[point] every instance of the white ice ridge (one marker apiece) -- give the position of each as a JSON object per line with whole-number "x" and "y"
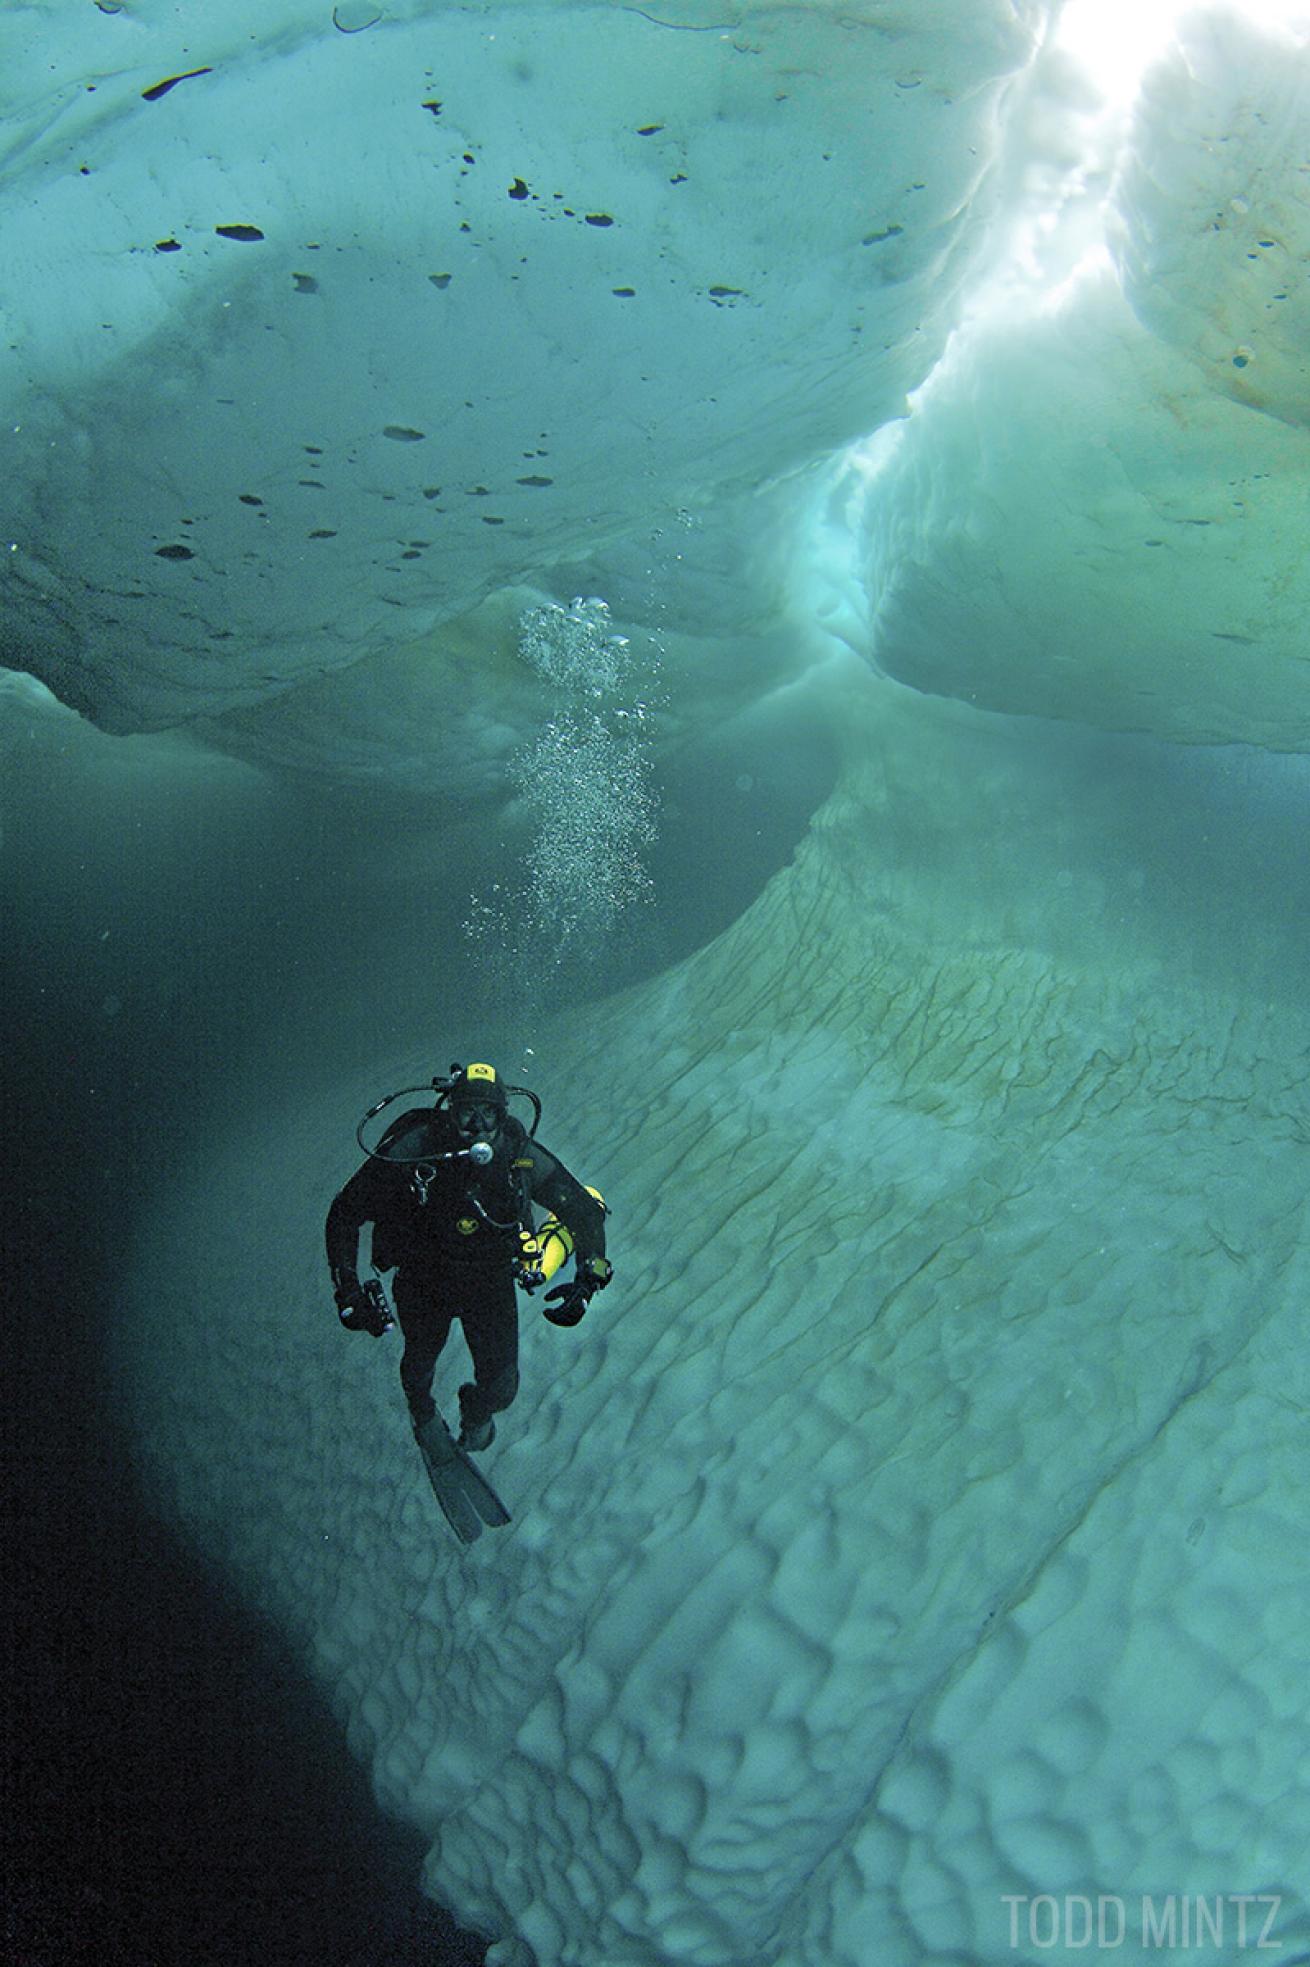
{"x": 915, "y": 1523}
{"x": 1096, "y": 509}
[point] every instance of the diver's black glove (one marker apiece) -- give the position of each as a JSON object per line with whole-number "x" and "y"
{"x": 363, "y": 1308}
{"x": 566, "y": 1304}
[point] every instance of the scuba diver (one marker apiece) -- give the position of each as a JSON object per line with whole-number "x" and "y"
{"x": 449, "y": 1190}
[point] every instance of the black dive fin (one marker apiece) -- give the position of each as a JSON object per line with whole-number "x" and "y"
{"x": 466, "y": 1498}
{"x": 483, "y": 1497}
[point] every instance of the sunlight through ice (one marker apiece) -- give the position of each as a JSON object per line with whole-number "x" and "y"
{"x": 1116, "y": 40}
{"x": 1054, "y": 239}
{"x": 1059, "y": 236}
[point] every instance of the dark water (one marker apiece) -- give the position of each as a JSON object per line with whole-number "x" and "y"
{"x": 182, "y": 938}
{"x": 175, "y": 1790}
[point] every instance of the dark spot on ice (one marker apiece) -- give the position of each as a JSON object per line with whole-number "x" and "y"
{"x": 477, "y": 492}
{"x": 175, "y": 553}
{"x": 167, "y": 246}
{"x": 162, "y": 88}
{"x": 314, "y": 450}
{"x": 238, "y": 232}
{"x": 411, "y": 555}
{"x": 518, "y": 189}
{"x": 354, "y": 21}
{"x": 876, "y": 238}
{"x": 536, "y": 480}
{"x": 434, "y": 107}
{"x": 322, "y": 533}
{"x": 400, "y": 433}
{"x": 440, "y": 279}
{"x": 625, "y": 293}
{"x": 1239, "y": 362}
{"x": 314, "y": 484}
{"x": 305, "y": 283}
{"x": 649, "y": 129}
{"x": 599, "y": 218}
{"x": 487, "y": 520}
{"x": 248, "y": 498}
{"x": 681, "y": 178}
{"x": 432, "y": 491}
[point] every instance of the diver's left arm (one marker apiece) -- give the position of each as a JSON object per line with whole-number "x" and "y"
{"x": 583, "y": 1215}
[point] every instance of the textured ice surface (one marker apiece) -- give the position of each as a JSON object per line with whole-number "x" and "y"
{"x": 1214, "y": 210}
{"x": 522, "y": 279}
{"x": 1097, "y": 510}
{"x": 1075, "y": 525}
{"x": 914, "y": 1526}
{"x": 914, "y": 1521}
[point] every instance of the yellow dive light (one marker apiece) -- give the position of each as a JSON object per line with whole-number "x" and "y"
{"x": 543, "y": 1251}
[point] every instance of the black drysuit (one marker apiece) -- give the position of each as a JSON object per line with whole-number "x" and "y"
{"x": 450, "y": 1231}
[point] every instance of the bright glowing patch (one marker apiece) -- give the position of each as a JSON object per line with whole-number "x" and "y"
{"x": 1116, "y": 40}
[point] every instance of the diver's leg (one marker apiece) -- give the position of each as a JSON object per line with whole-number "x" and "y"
{"x": 491, "y": 1328}
{"x": 426, "y": 1326}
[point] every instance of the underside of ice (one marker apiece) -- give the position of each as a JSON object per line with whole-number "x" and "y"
{"x": 400, "y": 397}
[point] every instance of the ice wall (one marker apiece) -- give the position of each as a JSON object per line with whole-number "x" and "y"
{"x": 369, "y": 316}
{"x": 1213, "y": 210}
{"x": 1097, "y": 509}
{"x": 902, "y": 1530}
{"x": 949, "y": 1386}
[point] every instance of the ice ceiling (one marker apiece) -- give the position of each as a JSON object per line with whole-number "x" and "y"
{"x": 858, "y": 1530}
{"x": 324, "y": 332}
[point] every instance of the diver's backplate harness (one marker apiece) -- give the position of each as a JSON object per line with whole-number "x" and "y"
{"x": 423, "y": 1167}
{"x": 481, "y": 1154}
{"x": 540, "y": 1252}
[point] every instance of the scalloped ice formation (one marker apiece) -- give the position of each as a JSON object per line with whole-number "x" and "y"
{"x": 369, "y": 321}
{"x": 906, "y": 1542}
{"x": 905, "y": 1554}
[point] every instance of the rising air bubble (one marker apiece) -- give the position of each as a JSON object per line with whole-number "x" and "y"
{"x": 587, "y": 777}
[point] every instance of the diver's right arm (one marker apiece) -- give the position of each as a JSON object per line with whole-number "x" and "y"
{"x": 356, "y": 1204}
